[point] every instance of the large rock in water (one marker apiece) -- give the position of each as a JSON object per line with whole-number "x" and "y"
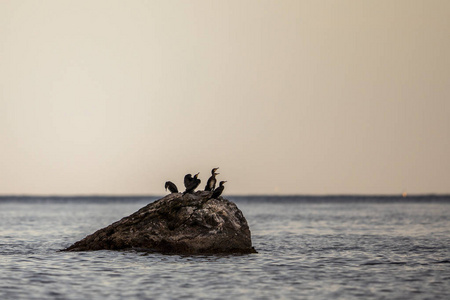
{"x": 177, "y": 223}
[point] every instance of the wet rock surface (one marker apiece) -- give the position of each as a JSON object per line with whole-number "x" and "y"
{"x": 179, "y": 224}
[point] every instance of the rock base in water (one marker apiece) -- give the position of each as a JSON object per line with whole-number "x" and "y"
{"x": 179, "y": 224}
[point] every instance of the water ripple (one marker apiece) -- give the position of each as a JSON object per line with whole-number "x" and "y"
{"x": 306, "y": 250}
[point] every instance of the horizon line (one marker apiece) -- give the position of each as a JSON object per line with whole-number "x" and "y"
{"x": 230, "y": 195}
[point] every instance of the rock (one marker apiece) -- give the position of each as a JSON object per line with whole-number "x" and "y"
{"x": 179, "y": 224}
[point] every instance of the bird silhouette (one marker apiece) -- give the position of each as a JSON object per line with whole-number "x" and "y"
{"x": 191, "y": 183}
{"x": 217, "y": 192}
{"x": 171, "y": 186}
{"x": 211, "y": 184}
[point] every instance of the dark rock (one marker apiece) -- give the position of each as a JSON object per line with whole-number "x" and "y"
{"x": 177, "y": 223}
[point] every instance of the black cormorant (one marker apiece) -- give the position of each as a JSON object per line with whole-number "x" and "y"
{"x": 187, "y": 180}
{"x": 211, "y": 184}
{"x": 191, "y": 184}
{"x": 217, "y": 192}
{"x": 171, "y": 186}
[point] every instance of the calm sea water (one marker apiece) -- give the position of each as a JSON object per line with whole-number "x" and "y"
{"x": 309, "y": 248}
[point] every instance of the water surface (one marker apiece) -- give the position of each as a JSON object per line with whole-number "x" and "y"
{"x": 309, "y": 248}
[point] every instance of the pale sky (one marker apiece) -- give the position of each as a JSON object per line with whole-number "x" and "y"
{"x": 286, "y": 97}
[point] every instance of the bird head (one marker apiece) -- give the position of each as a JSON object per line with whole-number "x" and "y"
{"x": 213, "y": 171}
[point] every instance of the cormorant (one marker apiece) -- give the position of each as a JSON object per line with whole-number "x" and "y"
{"x": 171, "y": 186}
{"x": 211, "y": 184}
{"x": 217, "y": 192}
{"x": 191, "y": 183}
{"x": 187, "y": 180}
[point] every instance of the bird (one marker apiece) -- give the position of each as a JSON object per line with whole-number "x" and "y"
{"x": 211, "y": 184}
{"x": 171, "y": 186}
{"x": 217, "y": 192}
{"x": 187, "y": 180}
{"x": 191, "y": 183}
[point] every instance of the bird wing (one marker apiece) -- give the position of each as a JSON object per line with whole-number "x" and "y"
{"x": 187, "y": 180}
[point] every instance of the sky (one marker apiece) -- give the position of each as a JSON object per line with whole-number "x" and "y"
{"x": 286, "y": 97}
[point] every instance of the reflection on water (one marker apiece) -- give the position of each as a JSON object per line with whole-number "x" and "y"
{"x": 306, "y": 250}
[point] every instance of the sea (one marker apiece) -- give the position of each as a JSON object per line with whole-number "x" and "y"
{"x": 309, "y": 247}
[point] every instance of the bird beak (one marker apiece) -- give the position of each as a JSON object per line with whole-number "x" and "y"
{"x": 217, "y": 173}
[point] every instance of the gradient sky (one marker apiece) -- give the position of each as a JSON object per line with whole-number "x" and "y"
{"x": 286, "y": 97}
